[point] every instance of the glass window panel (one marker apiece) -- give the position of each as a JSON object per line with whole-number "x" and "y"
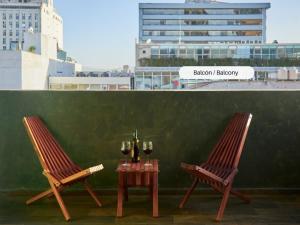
{"x": 265, "y": 51}
{"x": 157, "y": 82}
{"x": 56, "y": 86}
{"x": 296, "y": 49}
{"x": 175, "y": 80}
{"x": 148, "y": 82}
{"x": 139, "y": 82}
{"x": 199, "y": 51}
{"x": 123, "y": 87}
{"x": 182, "y": 51}
{"x": 154, "y": 50}
{"x": 166, "y": 82}
{"x": 83, "y": 86}
{"x": 112, "y": 87}
{"x": 70, "y": 86}
{"x": 289, "y": 51}
{"x": 273, "y": 50}
{"x": 281, "y": 52}
{"x": 95, "y": 87}
{"x": 164, "y": 51}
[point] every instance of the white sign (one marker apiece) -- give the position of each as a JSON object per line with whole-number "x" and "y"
{"x": 216, "y": 73}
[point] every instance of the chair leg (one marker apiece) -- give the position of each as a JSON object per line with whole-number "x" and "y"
{"x": 233, "y": 192}
{"x": 223, "y": 203}
{"x": 60, "y": 201}
{"x": 92, "y": 193}
{"x": 188, "y": 193}
{"x": 241, "y": 196}
{"x": 44, "y": 194}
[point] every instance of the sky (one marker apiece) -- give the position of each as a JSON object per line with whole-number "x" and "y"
{"x": 101, "y": 34}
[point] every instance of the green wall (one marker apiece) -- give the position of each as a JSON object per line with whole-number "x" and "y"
{"x": 183, "y": 126}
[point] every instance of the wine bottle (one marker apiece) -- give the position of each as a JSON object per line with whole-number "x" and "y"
{"x": 136, "y": 151}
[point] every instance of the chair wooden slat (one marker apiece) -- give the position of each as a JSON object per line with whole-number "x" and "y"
{"x": 221, "y": 167}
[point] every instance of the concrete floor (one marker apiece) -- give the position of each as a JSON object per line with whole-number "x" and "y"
{"x": 201, "y": 209}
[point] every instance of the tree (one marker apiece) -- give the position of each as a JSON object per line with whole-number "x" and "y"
{"x": 32, "y": 49}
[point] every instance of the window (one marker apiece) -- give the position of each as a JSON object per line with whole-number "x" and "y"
{"x": 23, "y": 16}
{"x": 4, "y": 33}
{"x": 56, "y": 86}
{"x": 4, "y": 47}
{"x": 70, "y": 86}
{"x": 154, "y": 51}
{"x": 29, "y": 24}
{"x": 10, "y": 33}
{"x": 17, "y": 16}
{"x": 17, "y": 33}
{"x": 10, "y": 24}
{"x": 17, "y": 24}
{"x": 36, "y": 16}
{"x": 10, "y": 16}
{"x": 36, "y": 25}
{"x": 201, "y": 11}
{"x": 4, "y": 24}
{"x": 4, "y": 41}
{"x": 4, "y": 16}
{"x": 29, "y": 16}
{"x": 83, "y": 86}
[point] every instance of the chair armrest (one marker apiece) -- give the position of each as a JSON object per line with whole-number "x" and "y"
{"x": 202, "y": 171}
{"x": 82, "y": 174}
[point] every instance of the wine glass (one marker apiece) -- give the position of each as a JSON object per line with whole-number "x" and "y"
{"x": 125, "y": 149}
{"x": 148, "y": 149}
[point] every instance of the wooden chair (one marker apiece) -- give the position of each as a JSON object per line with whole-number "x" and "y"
{"x": 221, "y": 167}
{"x": 57, "y": 166}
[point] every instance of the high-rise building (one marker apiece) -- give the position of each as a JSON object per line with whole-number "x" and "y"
{"x": 19, "y": 16}
{"x": 203, "y": 21}
{"x": 206, "y": 33}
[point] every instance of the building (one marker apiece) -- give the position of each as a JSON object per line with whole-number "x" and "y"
{"x": 200, "y": 33}
{"x": 202, "y": 21}
{"x": 17, "y": 16}
{"x": 31, "y": 45}
{"x": 90, "y": 83}
{"x": 147, "y": 54}
{"x": 23, "y": 70}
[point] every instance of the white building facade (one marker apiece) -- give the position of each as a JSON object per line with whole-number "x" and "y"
{"x": 31, "y": 45}
{"x": 17, "y": 16}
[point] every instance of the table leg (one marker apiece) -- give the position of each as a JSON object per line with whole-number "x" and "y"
{"x": 155, "y": 194}
{"x": 126, "y": 191}
{"x": 120, "y": 195}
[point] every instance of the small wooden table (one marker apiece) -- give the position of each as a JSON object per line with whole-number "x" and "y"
{"x": 138, "y": 175}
